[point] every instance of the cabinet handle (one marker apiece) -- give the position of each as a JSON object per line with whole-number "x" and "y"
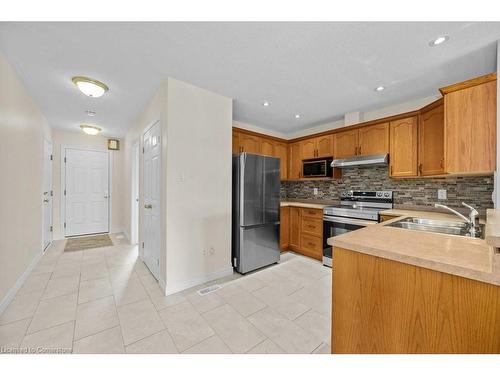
{"x": 355, "y": 150}
{"x": 359, "y": 150}
{"x": 391, "y": 170}
{"x": 420, "y": 168}
{"x": 441, "y": 163}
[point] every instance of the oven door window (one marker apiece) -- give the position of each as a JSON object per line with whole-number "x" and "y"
{"x": 336, "y": 229}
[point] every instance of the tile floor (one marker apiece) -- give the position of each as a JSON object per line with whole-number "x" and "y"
{"x": 105, "y": 300}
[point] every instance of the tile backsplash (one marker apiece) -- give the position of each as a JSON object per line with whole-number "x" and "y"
{"x": 407, "y": 192}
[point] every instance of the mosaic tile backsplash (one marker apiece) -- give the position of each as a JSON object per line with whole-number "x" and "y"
{"x": 407, "y": 192}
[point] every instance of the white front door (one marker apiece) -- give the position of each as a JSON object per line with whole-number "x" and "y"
{"x": 47, "y": 193}
{"x": 86, "y": 192}
{"x": 151, "y": 207}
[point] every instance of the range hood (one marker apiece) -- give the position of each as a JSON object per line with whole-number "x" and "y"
{"x": 355, "y": 161}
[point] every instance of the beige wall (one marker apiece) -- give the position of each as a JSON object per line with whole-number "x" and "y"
{"x": 196, "y": 182}
{"x": 95, "y": 142}
{"x": 22, "y": 130}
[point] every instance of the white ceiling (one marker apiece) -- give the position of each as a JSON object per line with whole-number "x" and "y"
{"x": 320, "y": 70}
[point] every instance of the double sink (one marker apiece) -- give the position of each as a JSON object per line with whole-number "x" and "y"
{"x": 456, "y": 228}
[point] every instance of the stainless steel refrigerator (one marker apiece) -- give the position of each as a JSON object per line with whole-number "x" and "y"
{"x": 256, "y": 211}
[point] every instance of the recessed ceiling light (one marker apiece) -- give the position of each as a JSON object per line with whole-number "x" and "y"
{"x": 90, "y": 87}
{"x": 297, "y": 116}
{"x": 90, "y": 113}
{"x": 380, "y": 88}
{"x": 265, "y": 104}
{"x": 439, "y": 40}
{"x": 90, "y": 129}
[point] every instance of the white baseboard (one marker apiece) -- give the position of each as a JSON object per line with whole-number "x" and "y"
{"x": 179, "y": 286}
{"x": 19, "y": 283}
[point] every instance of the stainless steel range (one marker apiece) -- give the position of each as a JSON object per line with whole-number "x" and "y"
{"x": 357, "y": 209}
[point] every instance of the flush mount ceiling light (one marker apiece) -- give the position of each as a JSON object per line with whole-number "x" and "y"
{"x": 380, "y": 88}
{"x": 90, "y": 113}
{"x": 265, "y": 104}
{"x": 90, "y": 87}
{"x": 439, "y": 40}
{"x": 90, "y": 129}
{"x": 297, "y": 116}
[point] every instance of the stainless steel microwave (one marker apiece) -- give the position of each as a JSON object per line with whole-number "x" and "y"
{"x": 317, "y": 168}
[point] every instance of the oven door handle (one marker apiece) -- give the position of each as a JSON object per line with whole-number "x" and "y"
{"x": 343, "y": 220}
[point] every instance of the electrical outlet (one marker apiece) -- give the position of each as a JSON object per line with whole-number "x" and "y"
{"x": 315, "y": 191}
{"x": 441, "y": 194}
{"x": 212, "y": 251}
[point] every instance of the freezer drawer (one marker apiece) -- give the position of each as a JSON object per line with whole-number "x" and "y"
{"x": 260, "y": 247}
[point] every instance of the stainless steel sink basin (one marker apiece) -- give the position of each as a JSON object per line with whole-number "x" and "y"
{"x": 456, "y": 228}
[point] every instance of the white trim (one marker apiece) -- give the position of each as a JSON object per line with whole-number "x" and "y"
{"x": 51, "y": 180}
{"x": 62, "y": 199}
{"x": 179, "y": 286}
{"x": 135, "y": 166}
{"x": 19, "y": 283}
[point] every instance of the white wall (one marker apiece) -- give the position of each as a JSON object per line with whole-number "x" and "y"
{"x": 22, "y": 130}
{"x": 96, "y": 142}
{"x": 199, "y": 166}
{"x": 196, "y": 182}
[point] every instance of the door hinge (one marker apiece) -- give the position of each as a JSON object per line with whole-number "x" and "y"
{"x": 64, "y": 191}
{"x": 143, "y": 245}
{"x": 64, "y": 225}
{"x": 51, "y": 193}
{"x": 51, "y": 228}
{"x": 51, "y": 157}
{"x": 143, "y": 150}
{"x": 65, "y": 159}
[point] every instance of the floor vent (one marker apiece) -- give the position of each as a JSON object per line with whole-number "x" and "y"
{"x": 207, "y": 290}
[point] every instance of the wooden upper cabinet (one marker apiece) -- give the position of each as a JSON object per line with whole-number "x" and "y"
{"x": 374, "y": 139}
{"x": 281, "y": 151}
{"x": 249, "y": 143}
{"x": 431, "y": 140}
{"x": 294, "y": 161}
{"x": 345, "y": 144}
{"x": 236, "y": 142}
{"x": 470, "y": 127}
{"x": 308, "y": 149}
{"x": 324, "y": 146}
{"x": 403, "y": 147}
{"x": 266, "y": 147}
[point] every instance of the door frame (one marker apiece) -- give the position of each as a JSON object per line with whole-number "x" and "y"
{"x": 63, "y": 184}
{"x": 51, "y": 179}
{"x": 141, "y": 198}
{"x": 135, "y": 188}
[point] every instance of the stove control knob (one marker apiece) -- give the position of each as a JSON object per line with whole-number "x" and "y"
{"x": 386, "y": 194}
{"x": 343, "y": 194}
{"x": 379, "y": 194}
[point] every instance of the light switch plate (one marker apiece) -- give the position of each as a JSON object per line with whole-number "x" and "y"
{"x": 441, "y": 194}
{"x": 315, "y": 191}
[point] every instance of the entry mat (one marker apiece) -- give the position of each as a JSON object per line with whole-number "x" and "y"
{"x": 87, "y": 242}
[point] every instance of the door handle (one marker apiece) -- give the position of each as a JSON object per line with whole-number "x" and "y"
{"x": 106, "y": 197}
{"x": 148, "y": 206}
{"x": 45, "y": 192}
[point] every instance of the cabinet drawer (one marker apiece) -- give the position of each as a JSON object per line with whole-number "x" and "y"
{"x": 312, "y": 226}
{"x": 312, "y": 213}
{"x": 311, "y": 246}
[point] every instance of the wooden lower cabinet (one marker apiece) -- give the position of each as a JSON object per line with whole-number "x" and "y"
{"x": 284, "y": 228}
{"x": 301, "y": 230}
{"x": 388, "y": 307}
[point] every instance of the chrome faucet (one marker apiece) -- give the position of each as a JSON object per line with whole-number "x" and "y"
{"x": 472, "y": 221}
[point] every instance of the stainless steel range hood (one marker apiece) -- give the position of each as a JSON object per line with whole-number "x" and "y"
{"x": 369, "y": 160}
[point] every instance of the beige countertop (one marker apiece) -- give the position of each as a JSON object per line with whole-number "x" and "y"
{"x": 462, "y": 256}
{"x": 305, "y": 204}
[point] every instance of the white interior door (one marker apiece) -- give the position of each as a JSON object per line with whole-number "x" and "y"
{"x": 86, "y": 192}
{"x": 151, "y": 208}
{"x": 134, "y": 225}
{"x": 47, "y": 193}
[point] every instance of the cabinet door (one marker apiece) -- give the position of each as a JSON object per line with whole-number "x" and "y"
{"x": 324, "y": 146}
{"x": 374, "y": 140}
{"x": 294, "y": 161}
{"x": 249, "y": 143}
{"x": 470, "y": 127}
{"x": 294, "y": 228}
{"x": 284, "y": 228}
{"x": 345, "y": 144}
{"x": 236, "y": 142}
{"x": 281, "y": 151}
{"x": 431, "y": 141}
{"x": 266, "y": 147}
{"x": 403, "y": 150}
{"x": 308, "y": 149}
